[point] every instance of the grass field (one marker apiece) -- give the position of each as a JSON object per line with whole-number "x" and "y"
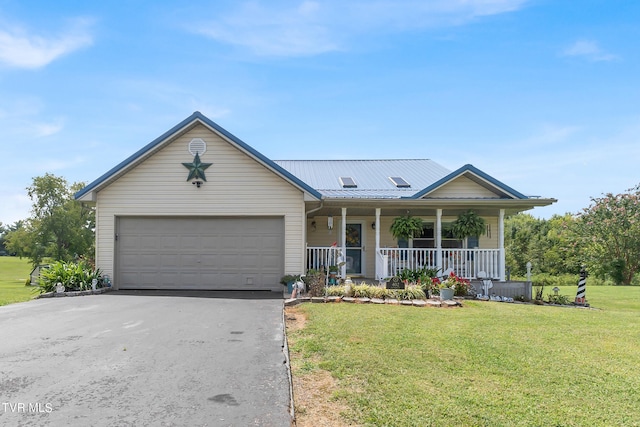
{"x": 14, "y": 272}
{"x": 486, "y": 364}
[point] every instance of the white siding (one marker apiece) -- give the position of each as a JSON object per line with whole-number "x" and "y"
{"x": 236, "y": 185}
{"x": 462, "y": 188}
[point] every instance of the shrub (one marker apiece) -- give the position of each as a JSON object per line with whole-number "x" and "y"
{"x": 361, "y": 291}
{"x": 315, "y": 281}
{"x": 379, "y": 292}
{"x": 558, "y": 299}
{"x": 336, "y": 291}
{"x": 409, "y": 293}
{"x": 75, "y": 277}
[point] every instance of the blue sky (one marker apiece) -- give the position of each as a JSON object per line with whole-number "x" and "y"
{"x": 541, "y": 94}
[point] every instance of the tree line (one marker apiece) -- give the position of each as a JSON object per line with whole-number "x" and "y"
{"x": 604, "y": 237}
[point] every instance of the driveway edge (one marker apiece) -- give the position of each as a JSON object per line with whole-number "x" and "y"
{"x": 287, "y": 361}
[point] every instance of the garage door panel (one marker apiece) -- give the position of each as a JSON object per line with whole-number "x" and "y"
{"x": 209, "y": 259}
{"x": 169, "y": 242}
{"x": 269, "y": 258}
{"x": 146, "y": 261}
{"x": 190, "y": 242}
{"x": 200, "y": 253}
{"x": 212, "y": 244}
{"x": 228, "y": 260}
{"x": 169, "y": 261}
{"x": 190, "y": 261}
{"x": 166, "y": 278}
{"x": 150, "y": 241}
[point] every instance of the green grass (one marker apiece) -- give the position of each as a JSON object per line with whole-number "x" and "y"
{"x": 486, "y": 364}
{"x": 14, "y": 272}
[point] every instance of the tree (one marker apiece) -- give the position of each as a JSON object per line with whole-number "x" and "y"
{"x": 610, "y": 232}
{"x": 59, "y": 228}
{"x": 522, "y": 233}
{"x": 562, "y": 252}
{"x": 3, "y": 231}
{"x": 550, "y": 245}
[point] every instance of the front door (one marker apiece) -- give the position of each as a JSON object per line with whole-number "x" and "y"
{"x": 355, "y": 247}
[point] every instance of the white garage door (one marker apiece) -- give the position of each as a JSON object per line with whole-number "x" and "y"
{"x": 199, "y": 253}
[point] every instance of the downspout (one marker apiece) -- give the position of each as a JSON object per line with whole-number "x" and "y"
{"x": 314, "y": 209}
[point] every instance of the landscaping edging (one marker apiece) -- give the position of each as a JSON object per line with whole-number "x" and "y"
{"x": 413, "y": 303}
{"x": 74, "y": 293}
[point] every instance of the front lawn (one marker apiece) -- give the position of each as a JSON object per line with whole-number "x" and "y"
{"x": 486, "y": 364}
{"x": 14, "y": 272}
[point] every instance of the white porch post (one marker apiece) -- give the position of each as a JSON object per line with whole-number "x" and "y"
{"x": 377, "y": 230}
{"x": 343, "y": 234}
{"x": 439, "y": 239}
{"x": 377, "y": 256}
{"x": 502, "y": 260}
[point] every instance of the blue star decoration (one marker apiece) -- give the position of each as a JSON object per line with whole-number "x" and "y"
{"x": 196, "y": 168}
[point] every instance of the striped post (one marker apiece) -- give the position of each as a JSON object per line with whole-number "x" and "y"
{"x": 582, "y": 286}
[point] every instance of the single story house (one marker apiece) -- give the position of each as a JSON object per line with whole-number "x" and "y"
{"x": 197, "y": 208}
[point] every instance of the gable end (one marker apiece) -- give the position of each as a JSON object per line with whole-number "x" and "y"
{"x": 469, "y": 172}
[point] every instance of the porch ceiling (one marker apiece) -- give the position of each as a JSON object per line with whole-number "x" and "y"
{"x": 397, "y": 207}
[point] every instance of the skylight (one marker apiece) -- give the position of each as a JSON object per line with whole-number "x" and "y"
{"x": 347, "y": 182}
{"x": 399, "y": 182}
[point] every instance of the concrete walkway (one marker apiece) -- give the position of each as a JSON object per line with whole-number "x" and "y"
{"x": 144, "y": 358}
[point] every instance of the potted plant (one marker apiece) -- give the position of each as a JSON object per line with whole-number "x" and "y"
{"x": 404, "y": 228}
{"x": 288, "y": 280}
{"x": 468, "y": 224}
{"x": 452, "y": 285}
{"x": 333, "y": 274}
{"x": 426, "y": 279}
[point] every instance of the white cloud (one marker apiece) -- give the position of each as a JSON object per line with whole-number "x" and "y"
{"x": 21, "y": 49}
{"x": 316, "y": 27}
{"x": 551, "y": 134}
{"x": 47, "y": 129}
{"x": 569, "y": 163}
{"x": 15, "y": 206}
{"x": 21, "y": 117}
{"x": 53, "y": 164}
{"x": 589, "y": 50}
{"x": 272, "y": 32}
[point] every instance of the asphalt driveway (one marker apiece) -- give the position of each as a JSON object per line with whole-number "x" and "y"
{"x": 144, "y": 359}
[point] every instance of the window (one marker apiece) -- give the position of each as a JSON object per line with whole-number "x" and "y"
{"x": 428, "y": 237}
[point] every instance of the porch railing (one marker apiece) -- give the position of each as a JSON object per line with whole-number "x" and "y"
{"x": 399, "y": 259}
{"x": 321, "y": 257}
{"x": 466, "y": 263}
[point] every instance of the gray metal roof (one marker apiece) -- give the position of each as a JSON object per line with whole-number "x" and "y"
{"x": 371, "y": 176}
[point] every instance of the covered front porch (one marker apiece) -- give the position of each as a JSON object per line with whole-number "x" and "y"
{"x": 358, "y": 240}
{"x": 465, "y": 263}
